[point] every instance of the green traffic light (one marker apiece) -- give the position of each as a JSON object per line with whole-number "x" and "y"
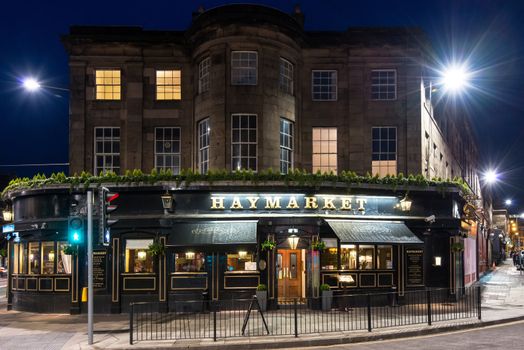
{"x": 76, "y": 236}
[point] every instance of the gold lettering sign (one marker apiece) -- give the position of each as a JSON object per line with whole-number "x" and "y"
{"x": 217, "y": 203}
{"x": 292, "y": 203}
{"x": 328, "y": 203}
{"x": 346, "y": 204}
{"x": 311, "y": 203}
{"x": 236, "y": 204}
{"x": 272, "y": 203}
{"x": 253, "y": 202}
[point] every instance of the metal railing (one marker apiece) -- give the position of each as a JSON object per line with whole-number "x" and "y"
{"x": 204, "y": 319}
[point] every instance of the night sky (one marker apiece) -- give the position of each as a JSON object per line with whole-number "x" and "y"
{"x": 489, "y": 35}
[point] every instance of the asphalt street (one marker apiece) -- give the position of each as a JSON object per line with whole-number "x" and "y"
{"x": 504, "y": 336}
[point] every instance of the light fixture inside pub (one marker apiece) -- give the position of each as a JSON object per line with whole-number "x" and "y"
{"x": 293, "y": 241}
{"x": 167, "y": 201}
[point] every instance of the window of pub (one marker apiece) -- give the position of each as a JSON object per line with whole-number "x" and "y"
{"x": 63, "y": 264}
{"x": 16, "y": 258}
{"x": 329, "y": 257}
{"x": 384, "y": 257}
{"x": 138, "y": 259}
{"x": 348, "y": 257}
{"x": 190, "y": 262}
{"x": 22, "y": 258}
{"x": 34, "y": 258}
{"x": 241, "y": 261}
{"x": 366, "y": 257}
{"x": 48, "y": 258}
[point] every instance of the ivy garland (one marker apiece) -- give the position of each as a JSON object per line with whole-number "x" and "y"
{"x": 298, "y": 176}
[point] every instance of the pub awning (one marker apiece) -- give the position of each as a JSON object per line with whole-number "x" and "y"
{"x": 359, "y": 231}
{"x": 213, "y": 232}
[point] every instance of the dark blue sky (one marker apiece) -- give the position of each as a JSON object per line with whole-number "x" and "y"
{"x": 489, "y": 34}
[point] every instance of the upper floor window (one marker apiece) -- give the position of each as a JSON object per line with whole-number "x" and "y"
{"x": 244, "y": 67}
{"x": 108, "y": 84}
{"x": 286, "y": 145}
{"x": 286, "y": 76}
{"x": 325, "y": 150}
{"x": 203, "y": 146}
{"x": 244, "y": 141}
{"x": 107, "y": 150}
{"x": 324, "y": 85}
{"x": 384, "y": 151}
{"x": 167, "y": 149}
{"x": 203, "y": 75}
{"x": 384, "y": 84}
{"x": 168, "y": 85}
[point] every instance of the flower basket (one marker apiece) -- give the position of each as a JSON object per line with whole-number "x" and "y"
{"x": 319, "y": 246}
{"x": 268, "y": 245}
{"x": 71, "y": 250}
{"x": 457, "y": 247}
{"x": 156, "y": 249}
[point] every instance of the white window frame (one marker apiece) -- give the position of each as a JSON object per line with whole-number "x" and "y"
{"x": 380, "y": 85}
{"x": 113, "y": 140}
{"x": 244, "y": 144}
{"x": 113, "y": 85}
{"x": 240, "y": 69}
{"x": 175, "y": 168}
{"x": 321, "y": 154}
{"x": 286, "y": 76}
{"x": 203, "y": 75}
{"x": 379, "y": 162}
{"x": 291, "y": 139}
{"x": 203, "y": 125}
{"x": 313, "y": 84}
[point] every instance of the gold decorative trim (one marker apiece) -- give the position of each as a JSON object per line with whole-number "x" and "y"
{"x": 180, "y": 277}
{"x": 62, "y": 290}
{"x": 45, "y": 289}
{"x": 400, "y": 270}
{"x": 162, "y": 290}
{"x": 329, "y": 274}
{"x": 367, "y": 274}
{"x": 125, "y": 278}
{"x": 385, "y": 274}
{"x": 14, "y": 286}
{"x": 26, "y": 284}
{"x": 241, "y": 276}
{"x": 23, "y": 282}
{"x": 115, "y": 293}
{"x": 188, "y": 273}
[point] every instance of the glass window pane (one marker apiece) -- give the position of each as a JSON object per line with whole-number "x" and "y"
{"x": 190, "y": 262}
{"x": 137, "y": 257}
{"x": 34, "y": 258}
{"x": 63, "y": 265}
{"x": 241, "y": 261}
{"x": 384, "y": 257}
{"x": 366, "y": 257}
{"x": 48, "y": 258}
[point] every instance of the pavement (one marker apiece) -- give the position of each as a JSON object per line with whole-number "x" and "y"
{"x": 502, "y": 301}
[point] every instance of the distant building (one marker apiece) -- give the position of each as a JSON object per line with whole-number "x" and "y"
{"x": 246, "y": 87}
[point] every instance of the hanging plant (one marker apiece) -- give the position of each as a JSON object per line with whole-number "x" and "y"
{"x": 318, "y": 246}
{"x": 3, "y": 252}
{"x": 268, "y": 245}
{"x": 156, "y": 248}
{"x": 457, "y": 247}
{"x": 71, "y": 250}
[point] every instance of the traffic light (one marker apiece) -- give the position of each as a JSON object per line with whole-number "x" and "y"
{"x": 75, "y": 230}
{"x": 106, "y": 208}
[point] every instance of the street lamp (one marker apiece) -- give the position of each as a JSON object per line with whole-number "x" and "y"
{"x": 455, "y": 77}
{"x": 491, "y": 176}
{"x": 32, "y": 85}
{"x": 508, "y": 202}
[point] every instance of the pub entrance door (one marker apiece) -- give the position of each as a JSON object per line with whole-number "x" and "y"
{"x": 290, "y": 274}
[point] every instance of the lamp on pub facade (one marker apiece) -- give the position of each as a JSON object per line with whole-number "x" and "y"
{"x": 167, "y": 201}
{"x": 293, "y": 241}
{"x": 7, "y": 215}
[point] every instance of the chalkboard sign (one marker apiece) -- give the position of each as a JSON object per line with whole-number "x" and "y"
{"x": 414, "y": 267}
{"x": 99, "y": 269}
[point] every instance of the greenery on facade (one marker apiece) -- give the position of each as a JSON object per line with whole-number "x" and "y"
{"x": 457, "y": 247}
{"x": 318, "y": 246}
{"x": 268, "y": 244}
{"x": 261, "y": 287}
{"x": 3, "y": 252}
{"x": 186, "y": 177}
{"x": 156, "y": 248}
{"x": 71, "y": 250}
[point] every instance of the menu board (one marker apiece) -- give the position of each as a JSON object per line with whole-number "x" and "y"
{"x": 414, "y": 267}
{"x": 99, "y": 269}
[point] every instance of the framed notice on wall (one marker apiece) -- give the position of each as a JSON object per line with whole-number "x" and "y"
{"x": 414, "y": 267}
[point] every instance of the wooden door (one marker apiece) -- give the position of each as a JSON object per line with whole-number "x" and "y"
{"x": 289, "y": 274}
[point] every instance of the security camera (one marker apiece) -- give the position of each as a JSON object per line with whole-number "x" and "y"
{"x": 430, "y": 219}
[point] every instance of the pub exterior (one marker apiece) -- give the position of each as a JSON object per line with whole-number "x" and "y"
{"x": 213, "y": 237}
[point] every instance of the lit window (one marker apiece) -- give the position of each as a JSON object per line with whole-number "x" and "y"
{"x": 168, "y": 85}
{"x": 34, "y": 258}
{"x": 190, "y": 262}
{"x": 241, "y": 261}
{"x": 107, "y": 150}
{"x": 108, "y": 84}
{"x": 244, "y": 67}
{"x": 244, "y": 141}
{"x": 203, "y": 75}
{"x": 203, "y": 146}
{"x": 348, "y": 257}
{"x": 384, "y": 257}
{"x": 22, "y": 258}
{"x": 366, "y": 257}
{"x": 325, "y": 150}
{"x": 329, "y": 257}
{"x": 384, "y": 84}
{"x": 324, "y": 85}
{"x": 384, "y": 151}
{"x": 63, "y": 264}
{"x": 16, "y": 257}
{"x": 286, "y": 146}
{"x": 138, "y": 259}
{"x": 48, "y": 258}
{"x": 167, "y": 149}
{"x": 286, "y": 76}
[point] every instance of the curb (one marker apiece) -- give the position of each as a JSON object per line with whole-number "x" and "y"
{"x": 321, "y": 341}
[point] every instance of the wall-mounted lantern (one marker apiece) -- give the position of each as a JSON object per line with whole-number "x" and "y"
{"x": 293, "y": 241}
{"x": 7, "y": 215}
{"x": 167, "y": 201}
{"x": 405, "y": 203}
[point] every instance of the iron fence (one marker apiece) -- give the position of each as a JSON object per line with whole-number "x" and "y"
{"x": 205, "y": 319}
